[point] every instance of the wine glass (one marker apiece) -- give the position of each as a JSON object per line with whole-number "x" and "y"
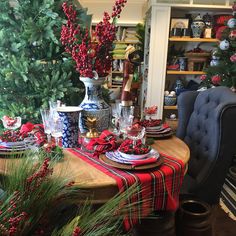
{"x": 56, "y": 126}
{"x": 126, "y": 119}
{"x": 46, "y": 123}
{"x": 135, "y": 133}
{"x": 116, "y": 112}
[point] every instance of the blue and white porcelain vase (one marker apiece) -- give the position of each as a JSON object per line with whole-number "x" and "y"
{"x": 198, "y": 27}
{"x": 70, "y": 119}
{"x": 93, "y": 104}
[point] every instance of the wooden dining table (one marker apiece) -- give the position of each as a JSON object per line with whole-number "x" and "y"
{"x": 98, "y": 185}
{"x": 103, "y": 187}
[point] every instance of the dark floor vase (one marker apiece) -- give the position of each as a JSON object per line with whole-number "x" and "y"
{"x": 193, "y": 218}
{"x": 163, "y": 224}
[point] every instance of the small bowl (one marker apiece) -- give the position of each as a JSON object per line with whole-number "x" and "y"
{"x": 170, "y": 101}
{"x": 133, "y": 156}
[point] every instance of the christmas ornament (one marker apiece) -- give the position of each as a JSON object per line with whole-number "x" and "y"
{"x": 231, "y": 23}
{"x": 224, "y": 45}
{"x": 173, "y": 116}
{"x": 214, "y": 62}
{"x": 220, "y": 31}
{"x": 233, "y": 89}
{"x": 216, "y": 79}
{"x": 203, "y": 77}
{"x": 232, "y": 35}
{"x": 233, "y": 58}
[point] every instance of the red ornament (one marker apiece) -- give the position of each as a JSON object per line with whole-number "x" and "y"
{"x": 233, "y": 58}
{"x": 203, "y": 77}
{"x": 216, "y": 79}
{"x": 220, "y": 31}
{"x": 232, "y": 35}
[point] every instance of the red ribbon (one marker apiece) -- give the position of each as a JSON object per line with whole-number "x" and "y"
{"x": 104, "y": 143}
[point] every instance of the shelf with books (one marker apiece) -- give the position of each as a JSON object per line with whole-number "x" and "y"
{"x": 199, "y": 40}
{"x": 181, "y": 72}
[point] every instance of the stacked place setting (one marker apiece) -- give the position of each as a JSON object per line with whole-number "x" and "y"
{"x": 133, "y": 153}
{"x": 12, "y": 141}
{"x": 154, "y": 127}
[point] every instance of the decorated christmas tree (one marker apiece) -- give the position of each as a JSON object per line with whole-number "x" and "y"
{"x": 33, "y": 68}
{"x": 222, "y": 70}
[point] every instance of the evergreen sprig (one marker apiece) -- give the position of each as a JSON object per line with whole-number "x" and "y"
{"x": 36, "y": 200}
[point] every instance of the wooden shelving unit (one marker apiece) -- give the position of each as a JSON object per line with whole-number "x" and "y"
{"x": 117, "y": 72}
{"x": 200, "y": 40}
{"x": 170, "y": 107}
{"x": 181, "y": 72}
{"x": 125, "y": 42}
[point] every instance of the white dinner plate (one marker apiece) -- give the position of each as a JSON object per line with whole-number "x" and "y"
{"x": 118, "y": 157}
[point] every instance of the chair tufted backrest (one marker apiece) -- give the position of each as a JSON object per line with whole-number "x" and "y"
{"x": 208, "y": 126}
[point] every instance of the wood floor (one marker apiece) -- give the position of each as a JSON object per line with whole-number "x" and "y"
{"x": 223, "y": 225}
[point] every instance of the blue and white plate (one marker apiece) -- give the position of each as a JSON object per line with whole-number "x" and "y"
{"x": 120, "y": 158}
{"x": 27, "y": 143}
{"x": 156, "y": 128}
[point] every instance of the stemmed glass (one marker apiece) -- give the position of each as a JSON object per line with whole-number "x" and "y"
{"x": 56, "y": 126}
{"x": 53, "y": 125}
{"x": 126, "y": 119}
{"x": 116, "y": 112}
{"x": 46, "y": 117}
{"x": 135, "y": 133}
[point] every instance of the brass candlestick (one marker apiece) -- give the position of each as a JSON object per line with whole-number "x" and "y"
{"x": 91, "y": 124}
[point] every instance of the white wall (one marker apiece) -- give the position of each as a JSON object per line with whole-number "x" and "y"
{"x": 132, "y": 14}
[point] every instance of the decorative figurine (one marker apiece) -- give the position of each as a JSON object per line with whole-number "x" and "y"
{"x": 209, "y": 23}
{"x": 208, "y": 20}
{"x": 133, "y": 59}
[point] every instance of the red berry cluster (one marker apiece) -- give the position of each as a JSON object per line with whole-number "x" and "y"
{"x": 12, "y": 136}
{"x": 128, "y": 148}
{"x": 90, "y": 56}
{"x": 34, "y": 181}
{"x": 77, "y": 231}
{"x": 12, "y": 218}
{"x": 151, "y": 122}
{"x": 117, "y": 8}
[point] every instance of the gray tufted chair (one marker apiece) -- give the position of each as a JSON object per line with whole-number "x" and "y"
{"x": 207, "y": 124}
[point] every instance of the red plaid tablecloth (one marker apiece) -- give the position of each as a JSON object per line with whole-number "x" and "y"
{"x": 161, "y": 186}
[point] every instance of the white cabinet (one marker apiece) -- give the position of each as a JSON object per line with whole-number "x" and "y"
{"x": 158, "y": 40}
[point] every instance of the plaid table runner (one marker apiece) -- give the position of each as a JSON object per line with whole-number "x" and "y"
{"x": 161, "y": 186}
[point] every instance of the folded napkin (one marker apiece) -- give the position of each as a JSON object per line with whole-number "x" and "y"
{"x": 105, "y": 142}
{"x": 165, "y": 128}
{"x": 36, "y": 129}
{"x": 147, "y": 161}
